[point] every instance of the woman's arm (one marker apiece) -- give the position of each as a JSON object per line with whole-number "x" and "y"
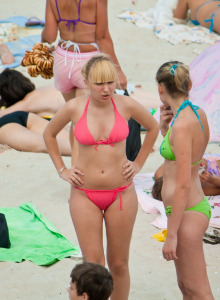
{"x": 180, "y": 12}
{"x": 206, "y": 177}
{"x": 59, "y": 121}
{"x": 49, "y": 33}
{"x": 104, "y": 39}
{"x": 182, "y": 143}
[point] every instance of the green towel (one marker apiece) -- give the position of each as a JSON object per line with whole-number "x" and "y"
{"x": 34, "y": 238}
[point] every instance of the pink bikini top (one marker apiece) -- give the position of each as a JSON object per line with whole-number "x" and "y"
{"x": 118, "y": 133}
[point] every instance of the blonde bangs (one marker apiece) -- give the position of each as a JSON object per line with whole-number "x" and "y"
{"x": 103, "y": 71}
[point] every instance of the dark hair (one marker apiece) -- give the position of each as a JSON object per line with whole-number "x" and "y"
{"x": 92, "y": 279}
{"x": 14, "y": 86}
{"x": 157, "y": 187}
{"x": 176, "y": 81}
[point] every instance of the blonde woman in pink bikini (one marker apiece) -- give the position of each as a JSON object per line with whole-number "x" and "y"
{"x": 102, "y": 189}
{"x": 83, "y": 28}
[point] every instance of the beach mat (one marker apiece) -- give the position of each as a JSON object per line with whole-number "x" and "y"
{"x": 18, "y": 20}
{"x": 34, "y": 238}
{"x": 18, "y": 49}
{"x": 160, "y": 19}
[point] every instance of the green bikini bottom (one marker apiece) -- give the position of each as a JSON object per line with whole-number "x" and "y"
{"x": 203, "y": 207}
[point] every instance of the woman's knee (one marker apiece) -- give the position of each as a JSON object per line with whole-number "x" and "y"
{"x": 182, "y": 287}
{"x": 118, "y": 266}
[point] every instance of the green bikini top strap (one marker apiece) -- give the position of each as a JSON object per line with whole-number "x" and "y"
{"x": 198, "y": 162}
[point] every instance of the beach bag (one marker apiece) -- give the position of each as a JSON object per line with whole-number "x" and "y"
{"x": 4, "y": 236}
{"x": 133, "y": 141}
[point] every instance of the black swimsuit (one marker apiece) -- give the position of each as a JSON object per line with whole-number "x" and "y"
{"x": 19, "y": 117}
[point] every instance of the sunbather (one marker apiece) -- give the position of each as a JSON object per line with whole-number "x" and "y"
{"x": 209, "y": 177}
{"x": 23, "y": 131}
{"x": 17, "y": 92}
{"x": 202, "y": 12}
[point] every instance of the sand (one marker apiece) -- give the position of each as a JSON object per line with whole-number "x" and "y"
{"x": 30, "y": 177}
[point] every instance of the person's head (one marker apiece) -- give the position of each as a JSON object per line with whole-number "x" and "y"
{"x": 156, "y": 189}
{"x": 14, "y": 86}
{"x": 90, "y": 281}
{"x": 175, "y": 78}
{"x": 100, "y": 74}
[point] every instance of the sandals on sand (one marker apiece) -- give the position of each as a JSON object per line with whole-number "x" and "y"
{"x": 212, "y": 236}
{"x": 33, "y": 21}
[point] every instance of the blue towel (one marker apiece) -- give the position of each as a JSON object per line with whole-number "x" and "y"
{"x": 19, "y": 20}
{"x": 18, "y": 49}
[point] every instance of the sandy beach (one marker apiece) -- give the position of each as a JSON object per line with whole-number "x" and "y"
{"x": 31, "y": 177}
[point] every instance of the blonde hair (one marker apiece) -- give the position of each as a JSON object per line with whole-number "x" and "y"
{"x": 100, "y": 69}
{"x": 175, "y": 77}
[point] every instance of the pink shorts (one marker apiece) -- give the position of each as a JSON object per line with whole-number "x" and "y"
{"x": 67, "y": 69}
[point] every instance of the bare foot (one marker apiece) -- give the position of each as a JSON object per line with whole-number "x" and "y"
{"x": 6, "y": 55}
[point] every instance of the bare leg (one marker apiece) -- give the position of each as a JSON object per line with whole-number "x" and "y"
{"x": 119, "y": 227}
{"x": 30, "y": 139}
{"x": 21, "y": 138}
{"x": 6, "y": 55}
{"x": 88, "y": 223}
{"x": 37, "y": 124}
{"x": 190, "y": 266}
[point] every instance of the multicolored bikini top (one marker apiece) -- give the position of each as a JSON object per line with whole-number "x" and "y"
{"x": 68, "y": 22}
{"x": 118, "y": 133}
{"x": 165, "y": 148}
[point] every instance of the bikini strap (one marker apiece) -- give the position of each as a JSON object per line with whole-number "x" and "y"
{"x": 194, "y": 108}
{"x": 79, "y": 9}
{"x": 196, "y": 12}
{"x": 198, "y": 162}
{"x": 58, "y": 11}
{"x": 211, "y": 20}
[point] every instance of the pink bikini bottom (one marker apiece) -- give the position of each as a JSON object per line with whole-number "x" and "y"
{"x": 104, "y": 198}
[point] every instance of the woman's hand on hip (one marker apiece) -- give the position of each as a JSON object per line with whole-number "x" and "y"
{"x": 73, "y": 176}
{"x": 131, "y": 168}
{"x": 169, "y": 248}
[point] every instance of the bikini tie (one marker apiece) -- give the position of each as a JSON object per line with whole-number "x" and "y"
{"x": 107, "y": 142}
{"x": 74, "y": 22}
{"x": 212, "y": 22}
{"x": 65, "y": 45}
{"x": 194, "y": 108}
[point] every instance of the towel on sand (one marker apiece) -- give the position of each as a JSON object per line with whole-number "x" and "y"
{"x": 18, "y": 49}
{"x": 34, "y": 238}
{"x": 160, "y": 20}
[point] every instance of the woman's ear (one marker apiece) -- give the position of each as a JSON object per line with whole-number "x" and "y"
{"x": 86, "y": 83}
{"x": 160, "y": 88}
{"x": 190, "y": 85}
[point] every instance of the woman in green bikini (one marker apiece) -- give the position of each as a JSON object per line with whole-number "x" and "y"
{"x": 186, "y": 206}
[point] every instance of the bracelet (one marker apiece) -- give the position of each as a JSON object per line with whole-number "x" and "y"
{"x": 62, "y": 169}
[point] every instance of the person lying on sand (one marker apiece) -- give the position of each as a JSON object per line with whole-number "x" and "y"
{"x": 204, "y": 13}
{"x": 17, "y": 92}
{"x": 209, "y": 174}
{"x": 23, "y": 131}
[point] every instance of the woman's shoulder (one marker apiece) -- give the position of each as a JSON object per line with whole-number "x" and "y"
{"x": 126, "y": 101}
